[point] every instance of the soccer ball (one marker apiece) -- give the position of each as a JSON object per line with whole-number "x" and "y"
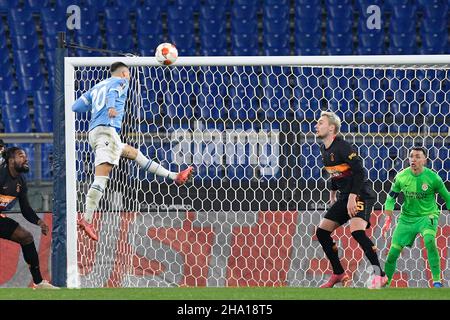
{"x": 166, "y": 53}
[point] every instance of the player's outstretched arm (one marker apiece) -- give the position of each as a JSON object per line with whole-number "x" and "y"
{"x": 389, "y": 206}
{"x": 443, "y": 192}
{"x": 82, "y": 104}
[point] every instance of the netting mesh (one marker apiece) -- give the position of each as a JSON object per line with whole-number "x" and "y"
{"x": 249, "y": 217}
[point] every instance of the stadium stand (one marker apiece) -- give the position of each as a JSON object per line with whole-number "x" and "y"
{"x": 28, "y": 31}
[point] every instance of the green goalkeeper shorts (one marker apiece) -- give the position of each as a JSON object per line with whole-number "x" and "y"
{"x": 408, "y": 227}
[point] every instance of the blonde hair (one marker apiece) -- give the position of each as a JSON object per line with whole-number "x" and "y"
{"x": 332, "y": 119}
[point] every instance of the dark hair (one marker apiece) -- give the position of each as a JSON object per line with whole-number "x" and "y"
{"x": 424, "y": 151}
{"x": 9, "y": 153}
{"x": 117, "y": 65}
{"x": 2, "y": 143}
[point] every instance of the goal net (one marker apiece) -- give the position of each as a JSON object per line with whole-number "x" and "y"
{"x": 247, "y": 126}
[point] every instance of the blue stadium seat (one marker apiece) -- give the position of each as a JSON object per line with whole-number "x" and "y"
{"x": 403, "y": 39}
{"x": 306, "y": 25}
{"x": 24, "y": 42}
{"x": 277, "y": 51}
{"x": 243, "y": 11}
{"x": 6, "y": 82}
{"x": 434, "y": 25}
{"x": 89, "y": 28}
{"x": 362, "y": 5}
{"x": 30, "y": 84}
{"x": 148, "y": 13}
{"x": 340, "y": 50}
{"x": 153, "y": 27}
{"x": 340, "y": 11}
{"x": 276, "y": 11}
{"x": 404, "y": 11}
{"x": 20, "y": 28}
{"x": 179, "y": 13}
{"x": 308, "y": 11}
{"x": 367, "y": 51}
{"x": 308, "y": 51}
{"x": 149, "y": 41}
{"x": 118, "y": 27}
{"x": 214, "y": 51}
{"x": 128, "y": 3}
{"x": 99, "y": 4}
{"x": 119, "y": 42}
{"x": 44, "y": 124}
{"x": 214, "y": 26}
{"x": 276, "y": 25}
{"x": 275, "y": 40}
{"x": 47, "y": 160}
{"x": 245, "y": 51}
{"x": 44, "y": 98}
{"x": 436, "y": 10}
{"x": 305, "y": 40}
{"x": 434, "y": 40}
{"x": 181, "y": 26}
{"x": 371, "y": 39}
{"x": 52, "y": 14}
{"x": 212, "y": 12}
{"x": 403, "y": 26}
{"x": 93, "y": 41}
{"x": 117, "y": 13}
{"x": 13, "y": 99}
{"x": 213, "y": 40}
{"x": 6, "y": 5}
{"x": 245, "y": 26}
{"x": 339, "y": 40}
{"x": 18, "y": 125}
{"x": 245, "y": 40}
{"x": 183, "y": 41}
{"x": 36, "y": 4}
{"x": 339, "y": 25}
{"x": 187, "y": 51}
{"x": 21, "y": 15}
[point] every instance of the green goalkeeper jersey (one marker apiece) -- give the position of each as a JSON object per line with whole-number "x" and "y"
{"x": 419, "y": 193}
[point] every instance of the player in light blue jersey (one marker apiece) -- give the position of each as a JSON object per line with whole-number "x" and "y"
{"x": 106, "y": 102}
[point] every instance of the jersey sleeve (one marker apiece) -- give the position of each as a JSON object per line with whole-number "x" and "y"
{"x": 351, "y": 157}
{"x": 120, "y": 86}
{"x": 392, "y": 195}
{"x": 83, "y": 103}
{"x": 442, "y": 191}
{"x": 25, "y": 206}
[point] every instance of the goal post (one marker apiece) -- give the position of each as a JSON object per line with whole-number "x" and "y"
{"x": 246, "y": 124}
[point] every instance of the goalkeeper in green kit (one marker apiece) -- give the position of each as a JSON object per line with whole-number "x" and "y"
{"x": 419, "y": 213}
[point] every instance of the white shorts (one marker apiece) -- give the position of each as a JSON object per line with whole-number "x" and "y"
{"x": 106, "y": 144}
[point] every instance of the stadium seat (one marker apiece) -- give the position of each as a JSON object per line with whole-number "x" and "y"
{"x": 434, "y": 40}
{"x": 214, "y": 51}
{"x": 404, "y": 12}
{"x": 92, "y": 41}
{"x": 120, "y": 42}
{"x": 308, "y": 51}
{"x": 183, "y": 41}
{"x": 339, "y": 39}
{"x": 276, "y": 25}
{"x": 214, "y": 26}
{"x": 117, "y": 13}
{"x": 434, "y": 25}
{"x": 362, "y": 5}
{"x": 276, "y": 11}
{"x": 212, "y": 12}
{"x": 47, "y": 159}
{"x": 30, "y": 84}
{"x": 246, "y": 26}
{"x": 181, "y": 26}
{"x": 149, "y": 41}
{"x": 51, "y": 28}
{"x": 121, "y": 27}
{"x": 128, "y": 3}
{"x": 307, "y": 25}
{"x": 243, "y": 11}
{"x": 277, "y": 51}
{"x": 245, "y": 40}
{"x": 179, "y": 13}
{"x": 339, "y": 25}
{"x": 21, "y": 15}
{"x": 24, "y": 42}
{"x": 436, "y": 10}
{"x": 213, "y": 40}
{"x": 43, "y": 98}
{"x": 19, "y": 28}
{"x": 44, "y": 124}
{"x": 340, "y": 50}
{"x": 100, "y": 4}
{"x": 403, "y": 26}
{"x": 146, "y": 27}
{"x": 371, "y": 39}
{"x": 36, "y": 5}
{"x": 306, "y": 40}
{"x": 17, "y": 98}
{"x": 6, "y": 5}
{"x": 148, "y": 13}
{"x": 18, "y": 125}
{"x": 308, "y": 11}
{"x": 403, "y": 39}
{"x": 340, "y": 11}
{"x": 275, "y": 40}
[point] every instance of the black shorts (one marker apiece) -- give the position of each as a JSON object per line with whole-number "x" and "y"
{"x": 338, "y": 211}
{"x": 7, "y": 227}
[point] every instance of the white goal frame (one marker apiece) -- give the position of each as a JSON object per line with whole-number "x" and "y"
{"x": 69, "y": 78}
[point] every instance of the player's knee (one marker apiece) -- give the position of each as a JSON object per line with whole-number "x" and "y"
{"x": 26, "y": 238}
{"x": 429, "y": 241}
{"x": 393, "y": 254}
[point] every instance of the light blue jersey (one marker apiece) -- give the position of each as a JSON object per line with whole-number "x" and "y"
{"x": 108, "y": 93}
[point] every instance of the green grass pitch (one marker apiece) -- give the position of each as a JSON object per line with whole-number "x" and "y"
{"x": 279, "y": 293}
